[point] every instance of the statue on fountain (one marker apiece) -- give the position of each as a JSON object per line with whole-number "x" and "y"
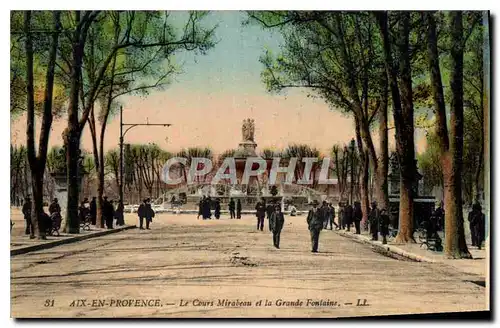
{"x": 247, "y": 146}
{"x": 248, "y": 130}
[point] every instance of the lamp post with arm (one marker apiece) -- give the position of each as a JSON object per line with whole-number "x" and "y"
{"x": 122, "y": 135}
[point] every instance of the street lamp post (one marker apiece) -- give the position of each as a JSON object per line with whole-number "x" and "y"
{"x": 122, "y": 135}
{"x": 351, "y": 146}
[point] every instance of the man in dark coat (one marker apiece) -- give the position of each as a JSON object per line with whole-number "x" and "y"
{"x": 149, "y": 213}
{"x": 477, "y": 225}
{"x": 30, "y": 230}
{"x": 384, "y": 225}
{"x": 277, "y": 221}
{"x": 374, "y": 218}
{"x": 341, "y": 216}
{"x": 93, "y": 210}
{"x": 108, "y": 212}
{"x": 325, "y": 213}
{"x": 141, "y": 213}
{"x": 238, "y": 209}
{"x": 269, "y": 212}
{"x": 439, "y": 216}
{"x": 260, "y": 213}
{"x": 207, "y": 212}
{"x": 119, "y": 214}
{"x": 315, "y": 225}
{"x": 332, "y": 217}
{"x": 217, "y": 209}
{"x": 231, "y": 209}
{"x": 347, "y": 219}
{"x": 357, "y": 217}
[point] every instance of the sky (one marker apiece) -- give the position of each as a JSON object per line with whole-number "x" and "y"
{"x": 207, "y": 103}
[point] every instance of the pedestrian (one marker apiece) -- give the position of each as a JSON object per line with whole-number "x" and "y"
{"x": 315, "y": 224}
{"x": 277, "y": 221}
{"x": 374, "y": 218}
{"x": 348, "y": 213}
{"x": 477, "y": 225}
{"x": 200, "y": 207}
{"x": 357, "y": 217}
{"x": 30, "y": 229}
{"x": 217, "y": 209}
{"x": 141, "y": 213}
{"x": 238, "y": 209}
{"x": 149, "y": 213}
{"x": 93, "y": 210}
{"x": 439, "y": 215}
{"x": 231, "y": 209}
{"x": 325, "y": 213}
{"x": 207, "y": 213}
{"x": 341, "y": 216}
{"x": 120, "y": 221}
{"x": 269, "y": 212}
{"x": 384, "y": 225}
{"x": 260, "y": 213}
{"x": 109, "y": 212}
{"x": 332, "y": 216}
{"x": 83, "y": 211}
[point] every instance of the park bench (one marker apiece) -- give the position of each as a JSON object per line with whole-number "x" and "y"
{"x": 55, "y": 224}
{"x": 429, "y": 241}
{"x": 85, "y": 224}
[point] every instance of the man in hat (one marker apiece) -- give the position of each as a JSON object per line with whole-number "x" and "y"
{"x": 384, "y": 225}
{"x": 315, "y": 224}
{"x": 348, "y": 214}
{"x": 141, "y": 213}
{"x": 149, "y": 213}
{"x": 357, "y": 217}
{"x": 439, "y": 216}
{"x": 374, "y": 218}
{"x": 93, "y": 210}
{"x": 325, "y": 213}
{"x": 277, "y": 220}
{"x": 30, "y": 230}
{"x": 269, "y": 212}
{"x": 231, "y": 209}
{"x": 107, "y": 212}
{"x": 260, "y": 213}
{"x": 341, "y": 224}
{"x": 217, "y": 208}
{"x": 238, "y": 209}
{"x": 477, "y": 225}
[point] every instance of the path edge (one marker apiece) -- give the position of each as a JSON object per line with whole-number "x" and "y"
{"x": 32, "y": 248}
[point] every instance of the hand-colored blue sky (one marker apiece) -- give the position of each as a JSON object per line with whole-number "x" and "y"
{"x": 208, "y": 101}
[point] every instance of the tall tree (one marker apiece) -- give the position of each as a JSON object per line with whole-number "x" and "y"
{"x": 36, "y": 161}
{"x": 336, "y": 55}
{"x": 400, "y": 83}
{"x": 455, "y": 245}
{"x": 143, "y": 30}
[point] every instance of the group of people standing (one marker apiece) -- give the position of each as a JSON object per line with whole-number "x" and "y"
{"x": 275, "y": 218}
{"x": 146, "y": 213}
{"x": 205, "y": 208}
{"x": 46, "y": 221}
{"x": 88, "y": 212}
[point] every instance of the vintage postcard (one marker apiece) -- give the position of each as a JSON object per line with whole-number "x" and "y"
{"x": 249, "y": 164}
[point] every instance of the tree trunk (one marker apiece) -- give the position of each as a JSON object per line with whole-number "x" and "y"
{"x": 72, "y": 133}
{"x": 364, "y": 166}
{"x": 455, "y": 244}
{"x": 382, "y": 171}
{"x": 403, "y": 120}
